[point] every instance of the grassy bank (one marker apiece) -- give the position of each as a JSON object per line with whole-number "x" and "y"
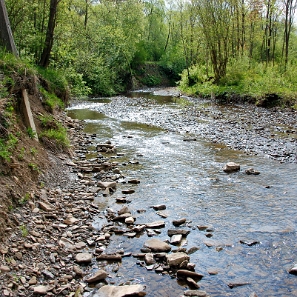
{"x": 258, "y": 84}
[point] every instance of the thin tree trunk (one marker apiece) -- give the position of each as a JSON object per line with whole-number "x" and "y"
{"x": 49, "y": 39}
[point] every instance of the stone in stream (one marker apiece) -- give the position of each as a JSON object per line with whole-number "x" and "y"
{"x": 176, "y": 259}
{"x": 149, "y": 259}
{"x": 123, "y": 210}
{"x": 252, "y": 171}
{"x": 183, "y": 273}
{"x": 192, "y": 250}
{"x": 172, "y": 232}
{"x": 128, "y": 191}
{"x": 157, "y": 224}
{"x": 195, "y": 293}
{"x": 249, "y": 243}
{"x": 176, "y": 239}
{"x": 293, "y": 270}
{"x": 106, "y": 185}
{"x": 129, "y": 220}
{"x": 134, "y": 181}
{"x": 159, "y": 207}
{"x": 120, "y": 291}
{"x": 157, "y": 245}
{"x": 192, "y": 283}
{"x": 231, "y": 167}
{"x": 97, "y": 276}
{"x": 179, "y": 222}
{"x": 109, "y": 257}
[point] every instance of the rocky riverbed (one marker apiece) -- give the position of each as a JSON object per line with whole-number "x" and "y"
{"x": 59, "y": 251}
{"x": 254, "y": 130}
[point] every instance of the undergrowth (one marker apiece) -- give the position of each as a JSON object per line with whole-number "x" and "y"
{"x": 258, "y": 83}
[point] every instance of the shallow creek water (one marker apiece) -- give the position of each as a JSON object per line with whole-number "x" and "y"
{"x": 187, "y": 177}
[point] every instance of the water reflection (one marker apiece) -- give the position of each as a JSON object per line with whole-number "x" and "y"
{"x": 188, "y": 178}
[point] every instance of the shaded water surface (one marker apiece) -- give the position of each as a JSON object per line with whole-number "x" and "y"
{"x": 187, "y": 177}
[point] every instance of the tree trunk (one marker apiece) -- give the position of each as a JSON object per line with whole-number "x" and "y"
{"x": 49, "y": 39}
{"x": 5, "y": 30}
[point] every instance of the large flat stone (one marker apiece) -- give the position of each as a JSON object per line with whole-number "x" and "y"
{"x": 120, "y": 291}
{"x": 157, "y": 245}
{"x": 176, "y": 259}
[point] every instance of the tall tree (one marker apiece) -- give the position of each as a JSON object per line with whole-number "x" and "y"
{"x": 49, "y": 39}
{"x": 290, "y": 7}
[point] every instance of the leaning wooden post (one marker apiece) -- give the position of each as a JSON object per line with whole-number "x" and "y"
{"x": 28, "y": 113}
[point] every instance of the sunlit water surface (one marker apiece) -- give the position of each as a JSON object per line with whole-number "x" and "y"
{"x": 188, "y": 178}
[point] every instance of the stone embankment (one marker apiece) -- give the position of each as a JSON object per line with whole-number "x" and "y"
{"x": 56, "y": 251}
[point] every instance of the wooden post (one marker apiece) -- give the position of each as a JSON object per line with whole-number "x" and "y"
{"x": 28, "y": 113}
{"x": 5, "y": 30}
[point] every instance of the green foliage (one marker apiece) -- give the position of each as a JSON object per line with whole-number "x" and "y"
{"x": 78, "y": 86}
{"x": 24, "y": 230}
{"x": 21, "y": 154}
{"x": 51, "y": 100}
{"x": 24, "y": 199}
{"x": 59, "y": 136}
{"x": 268, "y": 85}
{"x": 33, "y": 167}
{"x": 7, "y": 146}
{"x": 53, "y": 130}
{"x": 151, "y": 80}
{"x": 31, "y": 133}
{"x": 33, "y": 151}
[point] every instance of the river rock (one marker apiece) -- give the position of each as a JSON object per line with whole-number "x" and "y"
{"x": 149, "y": 259}
{"x": 32, "y": 281}
{"x": 176, "y": 259}
{"x": 192, "y": 250}
{"x": 195, "y": 293}
{"x": 106, "y": 185}
{"x": 182, "y": 273}
{"x": 157, "y": 245}
{"x": 293, "y": 270}
{"x": 4, "y": 268}
{"x": 129, "y": 220}
{"x": 134, "y": 181}
{"x": 123, "y": 210}
{"x": 157, "y": 224}
{"x": 97, "y": 276}
{"x": 231, "y": 167}
{"x": 128, "y": 191}
{"x": 45, "y": 206}
{"x": 252, "y": 171}
{"x": 109, "y": 257}
{"x": 172, "y": 232}
{"x": 176, "y": 239}
{"x": 192, "y": 283}
{"x": 120, "y": 291}
{"x": 42, "y": 290}
{"x": 83, "y": 258}
{"x": 179, "y": 221}
{"x": 159, "y": 207}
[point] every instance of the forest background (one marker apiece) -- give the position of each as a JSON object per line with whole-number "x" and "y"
{"x": 243, "y": 49}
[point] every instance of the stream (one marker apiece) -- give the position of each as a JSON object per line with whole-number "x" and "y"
{"x": 251, "y": 220}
